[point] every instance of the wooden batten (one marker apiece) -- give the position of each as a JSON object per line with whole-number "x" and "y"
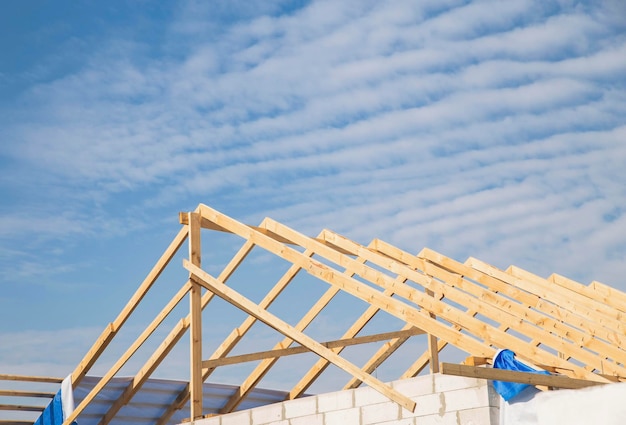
{"x": 16, "y": 393}
{"x": 29, "y": 378}
{"x": 554, "y": 381}
{"x": 278, "y": 352}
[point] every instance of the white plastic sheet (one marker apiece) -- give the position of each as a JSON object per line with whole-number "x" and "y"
{"x": 597, "y": 405}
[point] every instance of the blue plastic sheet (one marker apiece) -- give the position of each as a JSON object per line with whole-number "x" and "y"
{"x": 505, "y": 359}
{"x": 53, "y": 413}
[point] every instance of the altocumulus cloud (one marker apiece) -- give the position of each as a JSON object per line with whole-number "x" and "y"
{"x": 485, "y": 128}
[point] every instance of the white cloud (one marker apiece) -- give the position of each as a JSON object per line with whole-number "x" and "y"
{"x": 491, "y": 129}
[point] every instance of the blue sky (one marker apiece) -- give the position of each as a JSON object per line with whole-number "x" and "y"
{"x": 475, "y": 128}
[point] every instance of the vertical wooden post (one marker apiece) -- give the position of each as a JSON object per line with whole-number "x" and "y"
{"x": 433, "y": 348}
{"x": 195, "y": 328}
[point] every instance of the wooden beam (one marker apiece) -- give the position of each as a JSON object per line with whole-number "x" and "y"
{"x": 28, "y": 378}
{"x": 536, "y": 323}
{"x": 210, "y": 225}
{"x": 234, "y": 337}
{"x": 551, "y": 331}
{"x": 530, "y": 378}
{"x": 269, "y": 319}
{"x": 195, "y": 309}
{"x": 382, "y": 354}
{"x": 595, "y": 310}
{"x": 15, "y": 422}
{"x": 549, "y": 314}
{"x": 276, "y": 353}
{"x": 386, "y": 350}
{"x": 21, "y": 408}
{"x": 617, "y": 299}
{"x": 261, "y": 369}
{"x": 147, "y": 369}
{"x": 402, "y": 310}
{"x": 432, "y": 344}
{"x": 481, "y": 302}
{"x": 422, "y": 361}
{"x": 444, "y": 310}
{"x": 259, "y": 372}
{"x": 477, "y": 361}
{"x": 14, "y": 393}
{"x": 540, "y": 298}
{"x": 128, "y": 354}
{"x": 109, "y": 332}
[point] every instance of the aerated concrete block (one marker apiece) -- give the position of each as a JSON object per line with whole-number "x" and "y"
{"x": 267, "y": 414}
{"x": 445, "y": 383}
{"x": 450, "y": 418}
{"x": 343, "y": 417}
{"x": 480, "y": 416}
{"x": 367, "y": 395}
{"x": 414, "y": 387}
{"x": 428, "y": 404}
{"x": 406, "y": 421}
{"x": 335, "y": 401}
{"x": 466, "y": 398}
{"x": 380, "y": 412}
{"x": 317, "y": 419}
{"x": 236, "y": 418}
{"x": 300, "y": 407}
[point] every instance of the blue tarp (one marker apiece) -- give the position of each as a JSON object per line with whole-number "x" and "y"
{"x": 505, "y": 359}
{"x": 53, "y": 413}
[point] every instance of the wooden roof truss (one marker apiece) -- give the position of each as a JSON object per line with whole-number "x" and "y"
{"x": 569, "y": 328}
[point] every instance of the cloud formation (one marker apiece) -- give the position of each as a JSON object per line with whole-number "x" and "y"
{"x": 485, "y": 128}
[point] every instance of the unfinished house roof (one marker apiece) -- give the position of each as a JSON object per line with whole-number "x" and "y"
{"x": 573, "y": 330}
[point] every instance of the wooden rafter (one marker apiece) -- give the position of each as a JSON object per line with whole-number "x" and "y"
{"x": 128, "y": 354}
{"x": 263, "y": 315}
{"x": 110, "y": 330}
{"x": 583, "y": 346}
{"x": 526, "y": 304}
{"x": 376, "y": 360}
{"x": 166, "y": 346}
{"x": 238, "y": 333}
{"x": 284, "y": 352}
{"x": 615, "y": 299}
{"x": 515, "y": 376}
{"x": 262, "y": 368}
{"x": 573, "y": 329}
{"x": 547, "y": 294}
{"x": 383, "y": 353}
{"x": 254, "y": 377}
{"x": 501, "y": 315}
{"x": 580, "y": 303}
{"x": 310, "y": 376}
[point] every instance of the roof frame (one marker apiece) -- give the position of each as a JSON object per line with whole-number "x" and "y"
{"x": 572, "y": 328}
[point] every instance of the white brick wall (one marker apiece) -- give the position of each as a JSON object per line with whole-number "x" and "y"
{"x": 335, "y": 401}
{"x": 440, "y": 399}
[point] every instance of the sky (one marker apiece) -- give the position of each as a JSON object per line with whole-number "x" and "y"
{"x": 485, "y": 129}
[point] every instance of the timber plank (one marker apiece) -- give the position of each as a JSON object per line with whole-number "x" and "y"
{"x": 269, "y": 319}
